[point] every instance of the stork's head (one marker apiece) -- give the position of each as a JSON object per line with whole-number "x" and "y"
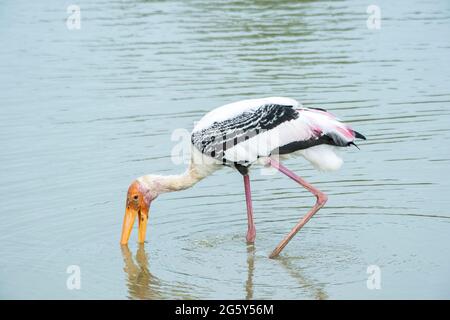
{"x": 138, "y": 202}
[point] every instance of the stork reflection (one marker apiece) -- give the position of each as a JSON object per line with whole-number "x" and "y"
{"x": 313, "y": 289}
{"x": 142, "y": 284}
{"x": 310, "y": 287}
{"x": 250, "y": 271}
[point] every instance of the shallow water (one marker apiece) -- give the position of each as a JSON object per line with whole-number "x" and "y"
{"x": 83, "y": 112}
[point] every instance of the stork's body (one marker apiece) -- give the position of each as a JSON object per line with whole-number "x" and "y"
{"x": 242, "y": 134}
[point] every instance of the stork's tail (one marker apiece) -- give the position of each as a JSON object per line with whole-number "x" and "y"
{"x": 341, "y": 134}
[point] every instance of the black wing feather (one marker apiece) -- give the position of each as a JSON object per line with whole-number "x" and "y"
{"x": 220, "y": 136}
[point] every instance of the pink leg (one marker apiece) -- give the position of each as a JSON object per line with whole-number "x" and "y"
{"x": 251, "y": 233}
{"x": 321, "y": 199}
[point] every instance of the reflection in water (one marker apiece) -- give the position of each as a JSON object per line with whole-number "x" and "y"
{"x": 144, "y": 285}
{"x": 251, "y": 268}
{"x": 313, "y": 289}
{"x": 141, "y": 283}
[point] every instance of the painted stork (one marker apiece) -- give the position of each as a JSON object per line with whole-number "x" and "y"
{"x": 240, "y": 134}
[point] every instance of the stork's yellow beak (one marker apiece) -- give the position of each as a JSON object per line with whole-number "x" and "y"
{"x": 128, "y": 222}
{"x": 143, "y": 218}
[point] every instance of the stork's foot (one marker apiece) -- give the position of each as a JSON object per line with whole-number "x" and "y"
{"x": 251, "y": 235}
{"x": 276, "y": 252}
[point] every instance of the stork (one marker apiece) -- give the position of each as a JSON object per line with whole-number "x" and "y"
{"x": 242, "y": 134}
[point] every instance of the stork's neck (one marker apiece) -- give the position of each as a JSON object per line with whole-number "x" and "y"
{"x": 162, "y": 184}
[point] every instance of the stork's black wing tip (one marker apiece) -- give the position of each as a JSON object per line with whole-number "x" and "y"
{"x": 353, "y": 144}
{"x": 359, "y": 135}
{"x": 320, "y": 109}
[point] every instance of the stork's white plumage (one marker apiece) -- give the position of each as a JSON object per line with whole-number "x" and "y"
{"x": 240, "y": 135}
